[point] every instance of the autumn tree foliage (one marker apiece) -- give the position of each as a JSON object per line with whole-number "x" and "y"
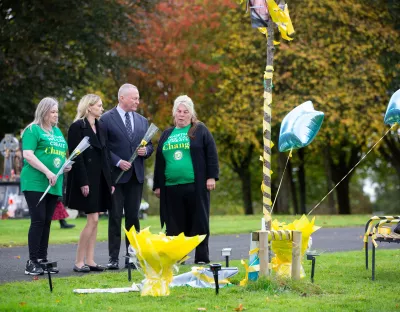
{"x": 338, "y": 62}
{"x": 207, "y": 49}
{"x": 174, "y": 55}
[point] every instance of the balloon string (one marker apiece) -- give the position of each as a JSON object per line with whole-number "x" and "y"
{"x": 352, "y": 168}
{"x": 280, "y": 183}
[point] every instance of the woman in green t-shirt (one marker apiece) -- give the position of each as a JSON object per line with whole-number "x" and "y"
{"x": 44, "y": 151}
{"x": 185, "y": 172}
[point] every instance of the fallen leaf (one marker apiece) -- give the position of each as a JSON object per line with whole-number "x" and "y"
{"x": 201, "y": 309}
{"x": 267, "y": 299}
{"x": 35, "y": 278}
{"x": 80, "y": 301}
{"x": 17, "y": 257}
{"x": 22, "y": 304}
{"x": 240, "y": 308}
{"x": 58, "y": 301}
{"x": 109, "y": 308}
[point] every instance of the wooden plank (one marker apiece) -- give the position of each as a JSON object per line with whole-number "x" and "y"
{"x": 296, "y": 255}
{"x": 263, "y": 254}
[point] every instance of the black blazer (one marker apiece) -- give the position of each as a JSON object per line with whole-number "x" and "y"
{"x": 91, "y": 168}
{"x": 121, "y": 147}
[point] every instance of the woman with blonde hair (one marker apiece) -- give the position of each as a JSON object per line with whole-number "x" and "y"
{"x": 44, "y": 150}
{"x": 89, "y": 186}
{"x": 185, "y": 172}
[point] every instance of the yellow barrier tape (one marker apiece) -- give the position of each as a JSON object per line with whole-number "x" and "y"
{"x": 281, "y": 18}
{"x": 269, "y": 67}
{"x": 267, "y": 214}
{"x": 268, "y": 75}
{"x": 263, "y": 30}
{"x": 254, "y": 251}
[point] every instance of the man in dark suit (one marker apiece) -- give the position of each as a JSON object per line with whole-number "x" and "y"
{"x": 124, "y": 129}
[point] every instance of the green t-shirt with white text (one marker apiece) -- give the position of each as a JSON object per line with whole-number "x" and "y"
{"x": 178, "y": 161}
{"x": 51, "y": 150}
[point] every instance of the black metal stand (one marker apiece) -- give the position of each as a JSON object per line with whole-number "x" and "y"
{"x": 48, "y": 266}
{"x": 215, "y": 268}
{"x": 129, "y": 269}
{"x": 129, "y": 272}
{"x": 312, "y": 258}
{"x": 227, "y": 261}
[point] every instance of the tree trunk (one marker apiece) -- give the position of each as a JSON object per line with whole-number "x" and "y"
{"x": 282, "y": 203}
{"x": 391, "y": 151}
{"x": 339, "y": 170}
{"x": 293, "y": 190}
{"x": 342, "y": 191}
{"x": 302, "y": 182}
{"x": 241, "y": 165}
{"x": 328, "y": 171}
{"x": 245, "y": 178}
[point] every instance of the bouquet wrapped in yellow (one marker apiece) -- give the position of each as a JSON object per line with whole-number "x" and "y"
{"x": 282, "y": 261}
{"x": 157, "y": 253}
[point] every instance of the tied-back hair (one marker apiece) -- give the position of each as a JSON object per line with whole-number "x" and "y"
{"x": 43, "y": 108}
{"x": 188, "y": 103}
{"x": 84, "y": 104}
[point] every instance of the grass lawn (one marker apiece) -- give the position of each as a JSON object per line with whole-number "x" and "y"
{"x": 15, "y": 232}
{"x": 341, "y": 284}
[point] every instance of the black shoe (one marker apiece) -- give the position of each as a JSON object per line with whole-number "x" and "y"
{"x": 65, "y": 225}
{"x": 33, "y": 268}
{"x": 96, "y": 268}
{"x": 397, "y": 229}
{"x": 52, "y": 270}
{"x": 83, "y": 269}
{"x": 113, "y": 264}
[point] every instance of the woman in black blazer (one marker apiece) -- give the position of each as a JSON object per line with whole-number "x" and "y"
{"x": 89, "y": 185}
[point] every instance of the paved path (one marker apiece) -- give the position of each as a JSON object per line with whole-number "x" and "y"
{"x": 12, "y": 260}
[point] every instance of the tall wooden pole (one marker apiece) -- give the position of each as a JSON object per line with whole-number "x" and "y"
{"x": 267, "y": 200}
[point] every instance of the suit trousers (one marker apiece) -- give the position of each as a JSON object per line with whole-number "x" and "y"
{"x": 181, "y": 217}
{"x": 126, "y": 198}
{"x": 39, "y": 231}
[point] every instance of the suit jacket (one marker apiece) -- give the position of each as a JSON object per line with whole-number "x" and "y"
{"x": 121, "y": 147}
{"x": 91, "y": 168}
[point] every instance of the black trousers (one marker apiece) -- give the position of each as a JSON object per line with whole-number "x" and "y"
{"x": 127, "y": 198}
{"x": 184, "y": 217}
{"x": 39, "y": 231}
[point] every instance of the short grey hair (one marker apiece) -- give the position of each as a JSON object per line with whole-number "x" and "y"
{"x": 187, "y": 102}
{"x": 43, "y": 108}
{"x": 125, "y": 87}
